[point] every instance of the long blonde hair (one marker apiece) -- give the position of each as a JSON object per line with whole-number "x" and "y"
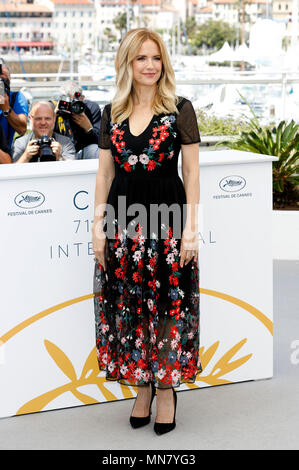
{"x": 165, "y": 99}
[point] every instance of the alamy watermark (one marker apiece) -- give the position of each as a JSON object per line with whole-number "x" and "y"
{"x": 185, "y": 217}
{"x": 295, "y": 354}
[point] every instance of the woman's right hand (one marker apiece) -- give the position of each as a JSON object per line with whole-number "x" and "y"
{"x": 99, "y": 248}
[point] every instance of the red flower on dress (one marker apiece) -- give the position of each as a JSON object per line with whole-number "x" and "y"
{"x": 137, "y": 277}
{"x": 151, "y": 165}
{"x": 173, "y": 280}
{"x": 127, "y": 166}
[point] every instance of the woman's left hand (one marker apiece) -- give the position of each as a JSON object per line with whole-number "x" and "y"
{"x": 189, "y": 247}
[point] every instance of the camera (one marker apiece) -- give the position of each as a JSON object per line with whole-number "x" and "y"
{"x": 45, "y": 153}
{"x": 67, "y": 105}
{"x": 4, "y": 82}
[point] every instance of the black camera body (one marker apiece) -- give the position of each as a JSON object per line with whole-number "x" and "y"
{"x": 5, "y": 81}
{"x": 45, "y": 153}
{"x": 67, "y": 105}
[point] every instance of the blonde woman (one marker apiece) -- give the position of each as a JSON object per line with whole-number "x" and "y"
{"x": 146, "y": 280}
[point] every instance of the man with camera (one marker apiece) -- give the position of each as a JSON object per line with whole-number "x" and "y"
{"x": 13, "y": 107}
{"x": 80, "y": 119}
{"x": 42, "y": 144}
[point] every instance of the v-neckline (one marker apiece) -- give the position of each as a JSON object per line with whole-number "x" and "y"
{"x": 128, "y": 119}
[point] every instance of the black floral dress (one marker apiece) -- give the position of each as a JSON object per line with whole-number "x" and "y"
{"x": 147, "y": 306}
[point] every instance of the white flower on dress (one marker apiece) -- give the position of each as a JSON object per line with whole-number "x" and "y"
{"x": 137, "y": 255}
{"x": 170, "y": 258}
{"x": 143, "y": 158}
{"x": 149, "y": 252}
{"x": 174, "y": 344}
{"x": 123, "y": 369}
{"x": 111, "y": 337}
{"x": 105, "y": 328}
{"x": 119, "y": 253}
{"x": 175, "y": 375}
{"x": 111, "y": 366}
{"x": 161, "y": 373}
{"x": 123, "y": 340}
{"x": 153, "y": 339}
{"x": 105, "y": 358}
{"x": 173, "y": 242}
{"x": 150, "y": 304}
{"x": 138, "y": 374}
{"x": 138, "y": 343}
{"x": 190, "y": 335}
{"x": 133, "y": 159}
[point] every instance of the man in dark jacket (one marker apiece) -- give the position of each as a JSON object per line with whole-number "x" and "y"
{"x": 83, "y": 128}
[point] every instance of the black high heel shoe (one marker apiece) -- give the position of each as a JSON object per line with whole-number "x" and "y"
{"x": 162, "y": 428}
{"x": 138, "y": 422}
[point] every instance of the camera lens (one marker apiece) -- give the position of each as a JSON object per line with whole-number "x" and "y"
{"x": 77, "y": 107}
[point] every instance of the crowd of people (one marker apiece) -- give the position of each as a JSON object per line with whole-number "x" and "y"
{"x": 64, "y": 130}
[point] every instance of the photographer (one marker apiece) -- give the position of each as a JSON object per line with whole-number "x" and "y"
{"x": 4, "y": 150}
{"x": 28, "y": 148}
{"x": 81, "y": 120}
{"x": 13, "y": 108}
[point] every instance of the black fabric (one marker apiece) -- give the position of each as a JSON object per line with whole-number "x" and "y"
{"x": 3, "y": 142}
{"x": 187, "y": 123}
{"x": 80, "y": 138}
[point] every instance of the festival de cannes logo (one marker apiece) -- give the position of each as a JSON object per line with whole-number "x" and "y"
{"x": 232, "y": 183}
{"x": 29, "y": 199}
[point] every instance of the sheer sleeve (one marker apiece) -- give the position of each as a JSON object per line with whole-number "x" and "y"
{"x": 104, "y": 136}
{"x": 187, "y": 123}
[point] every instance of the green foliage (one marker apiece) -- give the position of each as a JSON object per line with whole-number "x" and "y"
{"x": 191, "y": 26}
{"x": 213, "y": 125}
{"x": 120, "y": 21}
{"x": 213, "y": 34}
{"x": 281, "y": 141}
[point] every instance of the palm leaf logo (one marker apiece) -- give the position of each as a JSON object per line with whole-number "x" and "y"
{"x": 90, "y": 375}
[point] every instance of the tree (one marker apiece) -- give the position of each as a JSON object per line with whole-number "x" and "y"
{"x": 191, "y": 26}
{"x": 213, "y": 34}
{"x": 120, "y": 22}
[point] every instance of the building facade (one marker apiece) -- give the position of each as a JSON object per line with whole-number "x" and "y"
{"x": 26, "y": 25}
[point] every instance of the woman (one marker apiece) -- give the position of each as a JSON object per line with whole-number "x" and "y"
{"x": 146, "y": 281}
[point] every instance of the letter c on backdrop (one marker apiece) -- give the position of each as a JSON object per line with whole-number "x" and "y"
{"x": 76, "y": 202}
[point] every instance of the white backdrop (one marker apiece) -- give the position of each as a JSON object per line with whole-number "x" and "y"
{"x": 47, "y": 352}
